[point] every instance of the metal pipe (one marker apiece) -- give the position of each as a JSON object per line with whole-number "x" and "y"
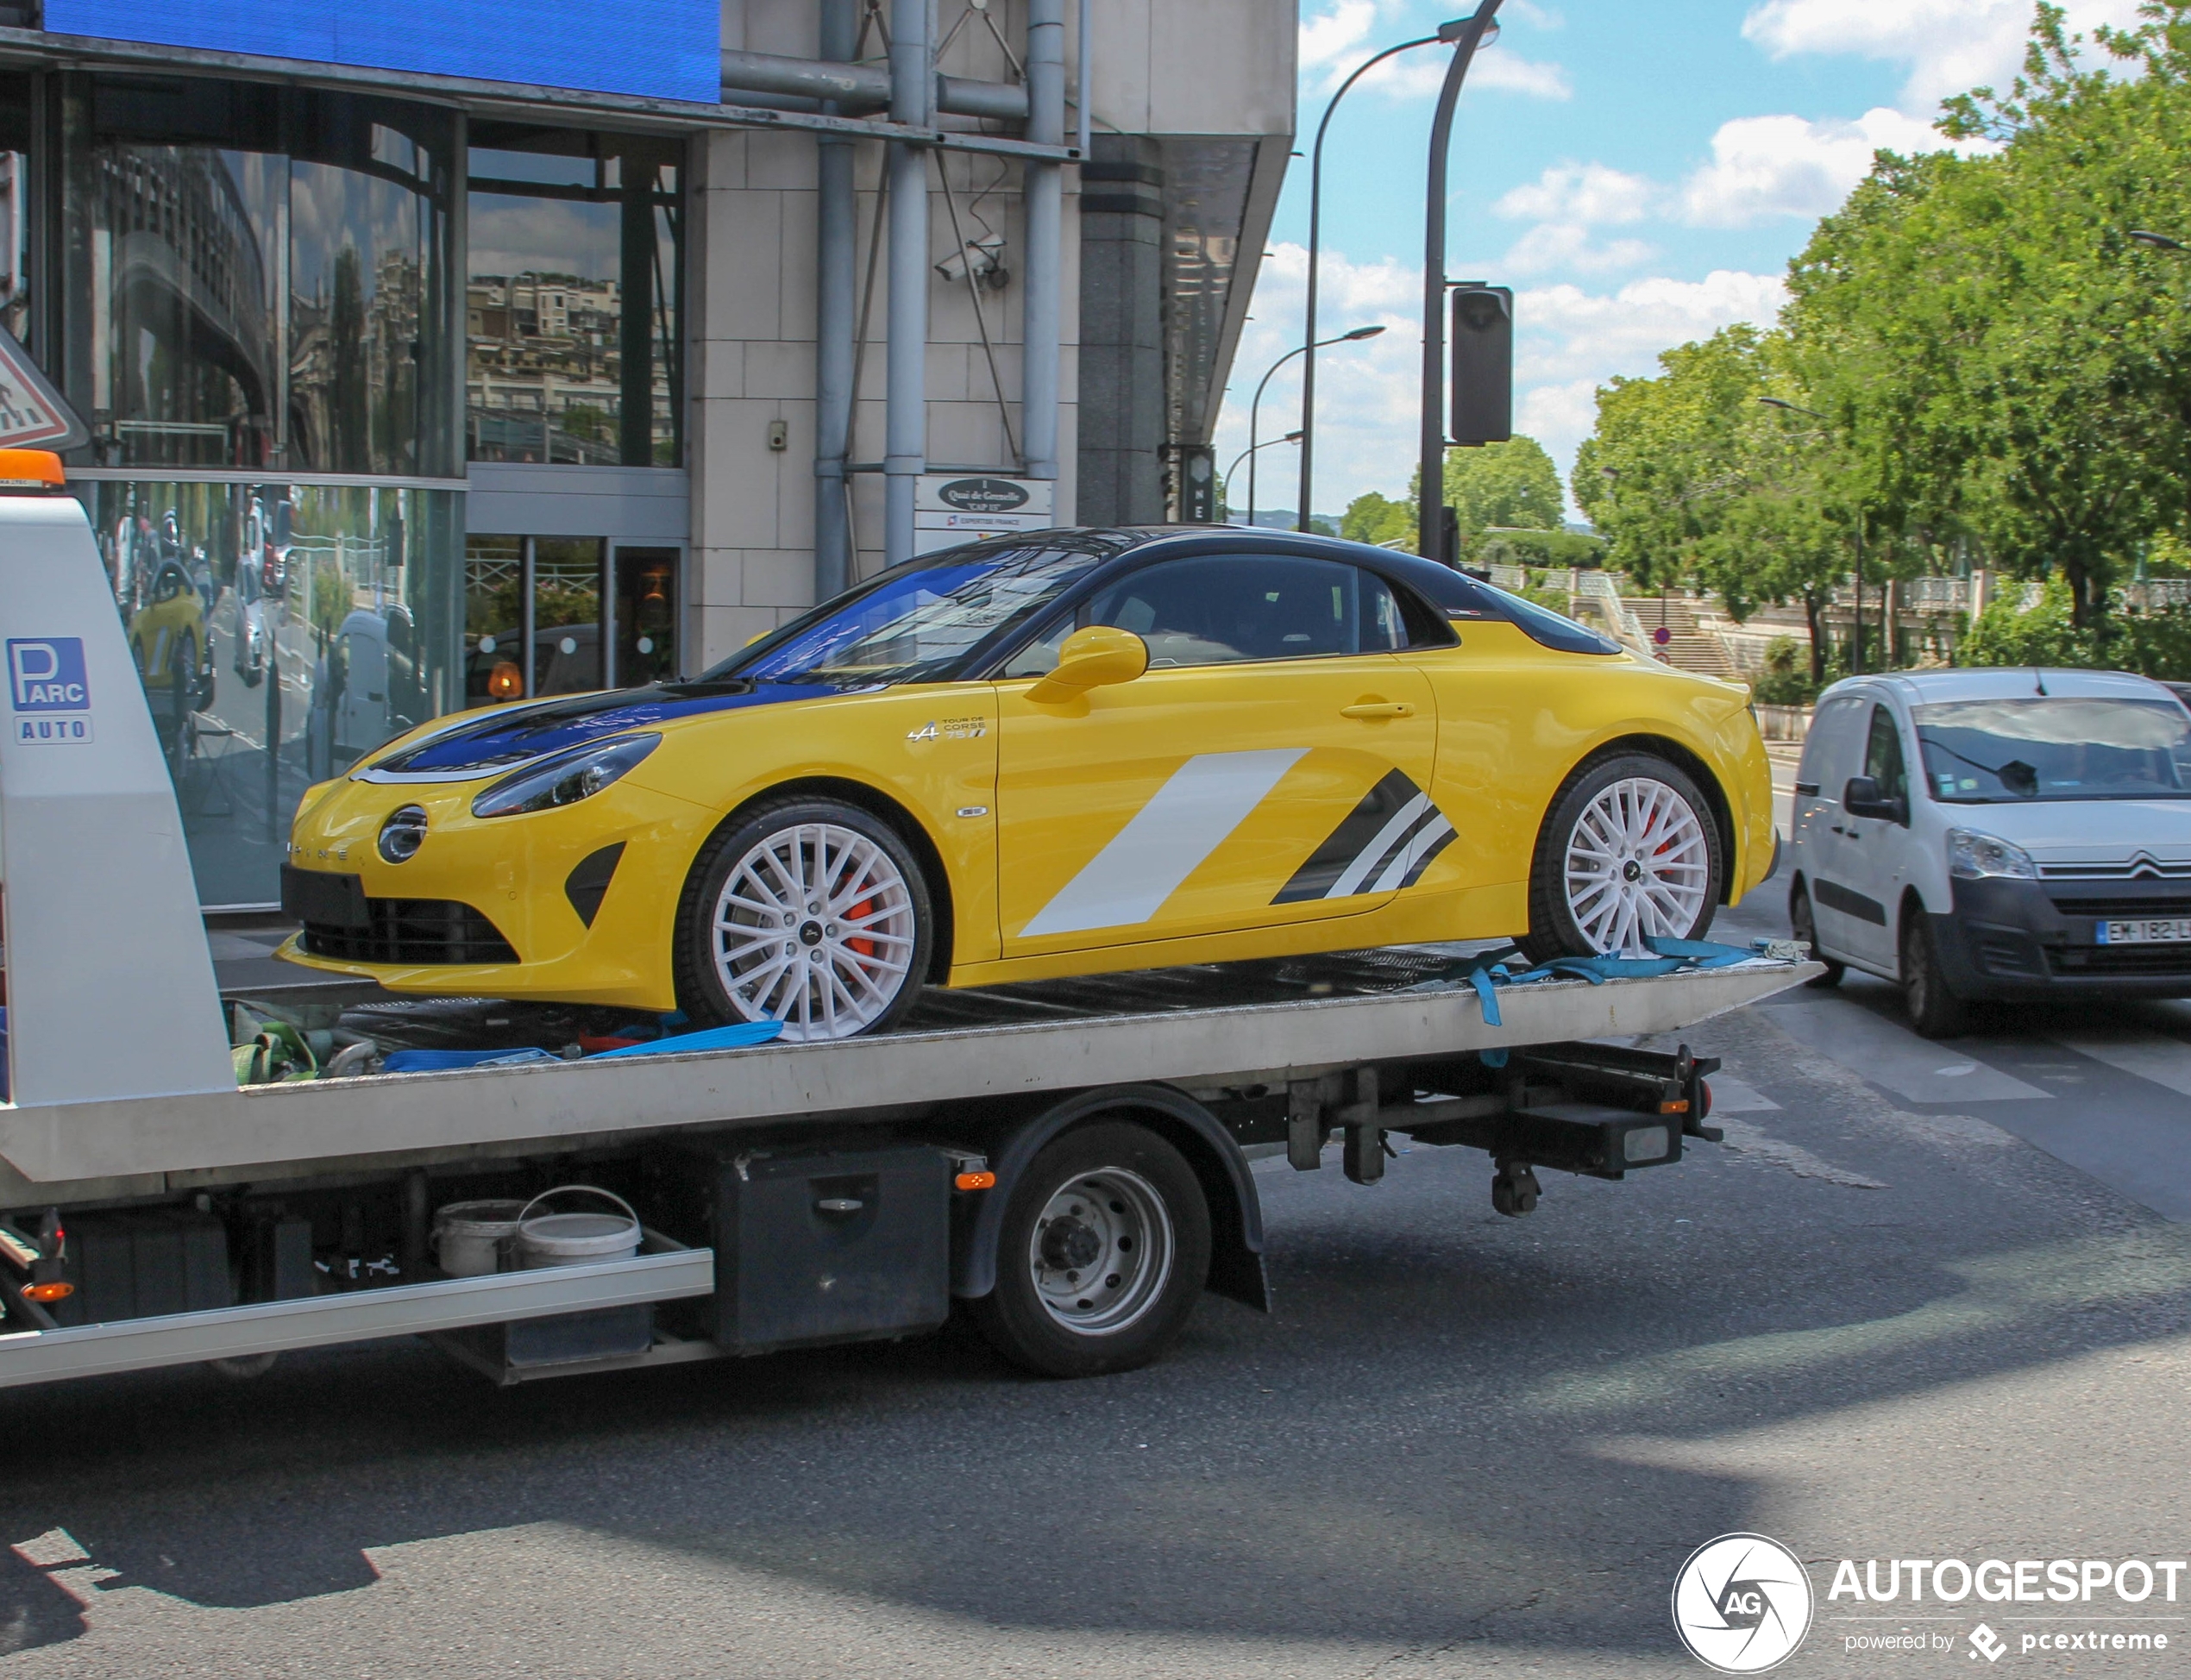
{"x": 906, "y": 412}
{"x": 1080, "y": 76}
{"x": 1430, "y": 500}
{"x": 836, "y": 265}
{"x": 856, "y": 88}
{"x": 1043, "y": 185}
{"x": 1315, "y": 247}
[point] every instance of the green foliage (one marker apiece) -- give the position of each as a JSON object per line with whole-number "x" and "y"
{"x": 1787, "y": 679}
{"x": 1560, "y": 549}
{"x": 1511, "y": 484}
{"x": 1995, "y": 374}
{"x": 1370, "y": 518}
{"x": 2153, "y": 644}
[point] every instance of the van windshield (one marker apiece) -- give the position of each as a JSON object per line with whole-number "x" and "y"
{"x": 1994, "y": 752}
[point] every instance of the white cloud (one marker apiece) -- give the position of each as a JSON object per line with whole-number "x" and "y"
{"x": 1786, "y": 165}
{"x": 1551, "y": 245}
{"x": 1949, "y": 46}
{"x": 1335, "y": 40}
{"x": 1570, "y": 342}
{"x": 1589, "y": 193}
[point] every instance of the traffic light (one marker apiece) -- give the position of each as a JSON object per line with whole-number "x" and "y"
{"x": 1483, "y": 363}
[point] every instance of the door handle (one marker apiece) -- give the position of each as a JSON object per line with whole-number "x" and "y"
{"x": 1377, "y": 709}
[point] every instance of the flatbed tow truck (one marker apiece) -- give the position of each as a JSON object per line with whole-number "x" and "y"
{"x": 1068, "y": 1162}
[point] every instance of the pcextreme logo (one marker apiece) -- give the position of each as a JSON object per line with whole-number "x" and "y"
{"x": 1742, "y": 1603}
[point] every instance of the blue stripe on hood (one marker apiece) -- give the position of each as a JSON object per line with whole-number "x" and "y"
{"x": 516, "y": 734}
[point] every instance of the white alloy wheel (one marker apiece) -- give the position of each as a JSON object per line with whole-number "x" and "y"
{"x": 1638, "y": 862}
{"x": 814, "y": 927}
{"x": 1100, "y": 1251}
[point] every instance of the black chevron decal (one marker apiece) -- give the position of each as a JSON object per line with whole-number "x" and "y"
{"x": 1360, "y": 827}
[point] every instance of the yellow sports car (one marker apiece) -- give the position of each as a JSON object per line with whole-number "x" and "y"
{"x": 1101, "y": 749}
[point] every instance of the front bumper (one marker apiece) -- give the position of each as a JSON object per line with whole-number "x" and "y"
{"x": 2012, "y": 939}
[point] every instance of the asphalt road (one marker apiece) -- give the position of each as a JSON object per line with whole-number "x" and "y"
{"x": 1905, "y": 1312}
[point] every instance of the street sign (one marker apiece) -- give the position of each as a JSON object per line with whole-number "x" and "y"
{"x": 951, "y": 508}
{"x": 33, "y": 414}
{"x": 1663, "y": 635}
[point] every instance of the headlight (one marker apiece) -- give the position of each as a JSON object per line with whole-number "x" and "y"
{"x": 566, "y": 779}
{"x": 403, "y": 834}
{"x": 1974, "y": 856}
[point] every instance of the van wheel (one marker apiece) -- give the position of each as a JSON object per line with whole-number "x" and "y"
{"x": 1934, "y": 1009}
{"x": 1103, "y": 1252}
{"x": 1628, "y": 850}
{"x": 1805, "y": 926}
{"x": 812, "y": 913}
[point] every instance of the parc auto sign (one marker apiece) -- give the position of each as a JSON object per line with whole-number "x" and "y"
{"x": 48, "y": 691}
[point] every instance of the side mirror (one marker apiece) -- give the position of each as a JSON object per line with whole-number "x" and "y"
{"x": 1092, "y": 658}
{"x": 1861, "y": 796}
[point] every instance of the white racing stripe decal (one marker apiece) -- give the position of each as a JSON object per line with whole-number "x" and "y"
{"x": 1127, "y": 883}
{"x": 1432, "y": 835}
{"x": 1350, "y": 879}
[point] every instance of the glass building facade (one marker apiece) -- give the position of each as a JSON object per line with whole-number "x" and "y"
{"x": 265, "y": 302}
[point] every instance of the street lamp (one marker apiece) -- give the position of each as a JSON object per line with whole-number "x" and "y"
{"x": 1247, "y": 456}
{"x": 1255, "y": 408}
{"x": 1856, "y": 611}
{"x": 1430, "y": 503}
{"x": 2157, "y": 241}
{"x": 1447, "y": 32}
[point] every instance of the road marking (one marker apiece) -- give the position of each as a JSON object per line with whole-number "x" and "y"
{"x": 2166, "y": 1062}
{"x": 1732, "y": 1096}
{"x": 1892, "y": 1056}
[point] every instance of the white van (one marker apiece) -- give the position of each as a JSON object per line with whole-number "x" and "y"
{"x": 2009, "y": 833}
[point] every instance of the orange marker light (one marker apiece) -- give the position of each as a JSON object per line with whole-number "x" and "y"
{"x": 31, "y": 469}
{"x": 975, "y": 1181}
{"x": 1679, "y": 1106}
{"x": 505, "y": 681}
{"x": 48, "y": 1291}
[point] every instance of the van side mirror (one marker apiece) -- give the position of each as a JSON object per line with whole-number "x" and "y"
{"x": 1861, "y": 798}
{"x": 1092, "y": 657}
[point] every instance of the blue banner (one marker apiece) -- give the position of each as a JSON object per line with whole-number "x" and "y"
{"x": 662, "y": 49}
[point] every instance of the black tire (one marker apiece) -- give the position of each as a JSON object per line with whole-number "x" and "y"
{"x": 1934, "y": 1009}
{"x": 1554, "y": 930}
{"x": 703, "y": 991}
{"x": 1803, "y": 926}
{"x": 1150, "y": 1310}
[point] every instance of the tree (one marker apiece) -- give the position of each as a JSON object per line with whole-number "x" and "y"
{"x": 1370, "y": 518}
{"x": 1513, "y": 485}
{"x": 1694, "y": 480}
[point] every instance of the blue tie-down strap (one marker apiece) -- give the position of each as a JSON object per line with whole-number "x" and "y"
{"x": 1488, "y": 970}
{"x": 445, "y": 1061}
{"x": 742, "y": 1035}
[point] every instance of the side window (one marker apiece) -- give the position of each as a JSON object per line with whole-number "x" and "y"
{"x": 1829, "y": 748}
{"x": 1883, "y": 755}
{"x": 1231, "y": 609}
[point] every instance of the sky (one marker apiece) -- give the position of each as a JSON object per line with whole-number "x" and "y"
{"x": 1640, "y": 174}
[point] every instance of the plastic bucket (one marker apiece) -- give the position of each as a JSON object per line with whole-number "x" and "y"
{"x": 575, "y": 1240}
{"x": 468, "y": 1235}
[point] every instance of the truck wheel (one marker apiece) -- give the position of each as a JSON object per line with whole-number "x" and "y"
{"x": 1102, "y": 1255}
{"x": 1803, "y": 926}
{"x": 812, "y": 912}
{"x": 1934, "y": 1009}
{"x": 1629, "y": 848}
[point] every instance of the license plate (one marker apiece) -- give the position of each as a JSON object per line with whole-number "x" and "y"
{"x": 2171, "y": 932}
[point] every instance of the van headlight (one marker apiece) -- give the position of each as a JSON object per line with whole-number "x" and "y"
{"x": 565, "y": 779}
{"x": 1975, "y": 856}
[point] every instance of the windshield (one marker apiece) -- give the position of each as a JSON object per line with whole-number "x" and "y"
{"x": 915, "y": 622}
{"x": 1991, "y": 752}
